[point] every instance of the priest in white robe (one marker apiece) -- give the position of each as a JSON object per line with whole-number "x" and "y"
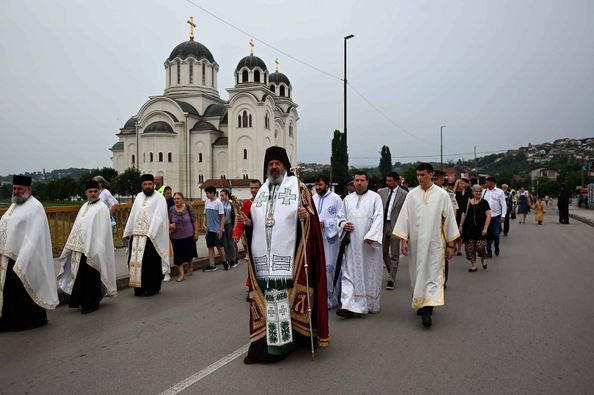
{"x": 328, "y": 205}
{"x": 88, "y": 261}
{"x": 361, "y": 219}
{"x": 27, "y": 270}
{"x": 427, "y": 226}
{"x": 148, "y": 232}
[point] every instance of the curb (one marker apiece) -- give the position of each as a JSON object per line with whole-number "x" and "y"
{"x": 582, "y": 219}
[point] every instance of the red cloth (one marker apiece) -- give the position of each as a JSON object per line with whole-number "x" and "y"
{"x": 239, "y": 229}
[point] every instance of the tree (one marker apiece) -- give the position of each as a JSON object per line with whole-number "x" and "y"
{"x": 410, "y": 175}
{"x": 5, "y": 191}
{"x": 108, "y": 173}
{"x": 339, "y": 161}
{"x": 128, "y": 183}
{"x": 62, "y": 188}
{"x": 385, "y": 164}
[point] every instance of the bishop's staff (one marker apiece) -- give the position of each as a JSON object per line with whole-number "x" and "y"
{"x": 297, "y": 170}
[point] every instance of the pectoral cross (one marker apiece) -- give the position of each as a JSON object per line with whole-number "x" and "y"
{"x": 276, "y": 62}
{"x": 251, "y": 46}
{"x": 192, "y": 26}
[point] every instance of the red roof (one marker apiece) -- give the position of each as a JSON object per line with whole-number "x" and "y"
{"x": 225, "y": 183}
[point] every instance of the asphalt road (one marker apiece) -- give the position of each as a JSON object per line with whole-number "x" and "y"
{"x": 524, "y": 325}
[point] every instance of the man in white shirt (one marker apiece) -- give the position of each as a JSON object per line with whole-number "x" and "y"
{"x": 496, "y": 199}
{"x": 106, "y": 197}
{"x": 392, "y": 199}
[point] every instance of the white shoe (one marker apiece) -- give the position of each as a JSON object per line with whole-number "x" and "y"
{"x": 167, "y": 277}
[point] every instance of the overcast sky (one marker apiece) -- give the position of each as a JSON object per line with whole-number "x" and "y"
{"x": 498, "y": 74}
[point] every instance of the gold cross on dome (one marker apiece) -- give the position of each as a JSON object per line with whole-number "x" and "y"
{"x": 251, "y": 46}
{"x": 192, "y": 26}
{"x": 276, "y": 62}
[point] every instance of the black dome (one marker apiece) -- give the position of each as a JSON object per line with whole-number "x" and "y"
{"x": 159, "y": 127}
{"x": 277, "y": 78}
{"x": 215, "y": 110}
{"x": 191, "y": 49}
{"x": 130, "y": 123}
{"x": 250, "y": 62}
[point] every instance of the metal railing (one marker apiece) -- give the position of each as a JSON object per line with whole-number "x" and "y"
{"x": 61, "y": 219}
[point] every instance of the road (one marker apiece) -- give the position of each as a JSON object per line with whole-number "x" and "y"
{"x": 524, "y": 325}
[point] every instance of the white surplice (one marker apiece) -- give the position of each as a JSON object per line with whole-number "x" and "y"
{"x": 90, "y": 236}
{"x": 328, "y": 207}
{"x": 362, "y": 267}
{"x": 427, "y": 220}
{"x": 25, "y": 238}
{"x": 149, "y": 219}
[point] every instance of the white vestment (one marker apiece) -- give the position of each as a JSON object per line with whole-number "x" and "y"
{"x": 148, "y": 218}
{"x": 427, "y": 220}
{"x": 90, "y": 236}
{"x": 328, "y": 207}
{"x": 362, "y": 266}
{"x": 25, "y": 238}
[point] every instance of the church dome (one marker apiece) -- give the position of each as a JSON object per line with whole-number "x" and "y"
{"x": 250, "y": 62}
{"x": 159, "y": 127}
{"x": 277, "y": 78}
{"x": 130, "y": 123}
{"x": 191, "y": 49}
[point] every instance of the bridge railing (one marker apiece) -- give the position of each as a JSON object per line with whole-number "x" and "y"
{"x": 61, "y": 219}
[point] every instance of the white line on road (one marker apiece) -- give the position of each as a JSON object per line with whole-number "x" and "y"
{"x": 182, "y": 385}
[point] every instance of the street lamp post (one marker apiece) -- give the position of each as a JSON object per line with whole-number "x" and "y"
{"x": 345, "y": 94}
{"x": 441, "y": 146}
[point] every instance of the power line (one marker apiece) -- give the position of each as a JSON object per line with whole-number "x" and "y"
{"x": 433, "y": 156}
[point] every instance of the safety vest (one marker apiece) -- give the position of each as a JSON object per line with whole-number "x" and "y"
{"x": 162, "y": 189}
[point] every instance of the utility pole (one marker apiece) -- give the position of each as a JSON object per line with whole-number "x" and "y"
{"x": 441, "y": 146}
{"x": 475, "y": 165}
{"x": 345, "y": 98}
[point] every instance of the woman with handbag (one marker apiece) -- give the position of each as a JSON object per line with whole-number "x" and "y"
{"x": 473, "y": 228}
{"x": 183, "y": 234}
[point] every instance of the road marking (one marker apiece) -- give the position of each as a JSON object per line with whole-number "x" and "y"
{"x": 182, "y": 385}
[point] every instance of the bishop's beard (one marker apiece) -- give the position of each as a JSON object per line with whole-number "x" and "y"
{"x": 20, "y": 199}
{"x": 276, "y": 179}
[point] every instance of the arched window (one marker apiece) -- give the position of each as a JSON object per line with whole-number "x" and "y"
{"x": 203, "y": 74}
{"x": 250, "y": 120}
{"x": 272, "y": 88}
{"x": 237, "y": 79}
{"x": 289, "y": 91}
{"x": 267, "y": 121}
{"x": 290, "y": 130}
{"x": 244, "y": 76}
{"x": 245, "y": 120}
{"x": 200, "y": 178}
{"x": 239, "y": 121}
{"x": 245, "y": 154}
{"x": 170, "y": 157}
{"x": 276, "y": 134}
{"x": 144, "y": 157}
{"x": 160, "y": 157}
{"x": 178, "y": 72}
{"x": 282, "y": 90}
{"x": 151, "y": 157}
{"x": 245, "y": 176}
{"x": 133, "y": 159}
{"x": 200, "y": 157}
{"x": 265, "y": 82}
{"x": 191, "y": 72}
{"x": 256, "y": 76}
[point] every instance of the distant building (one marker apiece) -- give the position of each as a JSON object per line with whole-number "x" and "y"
{"x": 549, "y": 173}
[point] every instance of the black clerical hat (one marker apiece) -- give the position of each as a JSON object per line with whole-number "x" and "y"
{"x": 349, "y": 180}
{"x": 147, "y": 177}
{"x": 91, "y": 184}
{"x": 277, "y": 153}
{"x": 21, "y": 180}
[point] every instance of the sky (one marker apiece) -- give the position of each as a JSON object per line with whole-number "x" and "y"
{"x": 497, "y": 74}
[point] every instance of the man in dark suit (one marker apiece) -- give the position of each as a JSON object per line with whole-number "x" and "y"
{"x": 392, "y": 199}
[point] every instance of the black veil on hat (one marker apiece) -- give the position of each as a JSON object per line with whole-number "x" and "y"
{"x": 91, "y": 184}
{"x": 277, "y": 153}
{"x": 147, "y": 177}
{"x": 21, "y": 180}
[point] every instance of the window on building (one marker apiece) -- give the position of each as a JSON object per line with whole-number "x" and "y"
{"x": 244, "y": 76}
{"x": 223, "y": 177}
{"x": 245, "y": 176}
{"x": 151, "y": 157}
{"x": 144, "y": 157}
{"x": 282, "y": 90}
{"x": 191, "y": 72}
{"x": 237, "y": 79}
{"x": 212, "y": 76}
{"x": 133, "y": 159}
{"x": 250, "y": 120}
{"x": 169, "y": 72}
{"x": 170, "y": 157}
{"x": 267, "y": 121}
{"x": 239, "y": 121}
{"x": 244, "y": 122}
{"x": 290, "y": 130}
{"x": 265, "y": 81}
{"x": 160, "y": 157}
{"x": 200, "y": 178}
{"x": 272, "y": 88}
{"x": 256, "y": 76}
{"x": 203, "y": 74}
{"x": 245, "y": 154}
{"x": 289, "y": 94}
{"x": 178, "y": 72}
{"x": 200, "y": 157}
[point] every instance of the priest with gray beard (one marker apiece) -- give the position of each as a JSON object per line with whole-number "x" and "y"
{"x": 27, "y": 269}
{"x": 148, "y": 232}
{"x": 88, "y": 261}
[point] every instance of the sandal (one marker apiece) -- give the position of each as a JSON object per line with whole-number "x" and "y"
{"x": 484, "y": 263}
{"x": 472, "y": 269}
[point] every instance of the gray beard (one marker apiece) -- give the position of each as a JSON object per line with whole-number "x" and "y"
{"x": 20, "y": 199}
{"x": 276, "y": 180}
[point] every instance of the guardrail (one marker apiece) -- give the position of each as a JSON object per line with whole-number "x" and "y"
{"x": 61, "y": 219}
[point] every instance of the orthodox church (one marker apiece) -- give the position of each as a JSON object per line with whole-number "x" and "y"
{"x": 191, "y": 136}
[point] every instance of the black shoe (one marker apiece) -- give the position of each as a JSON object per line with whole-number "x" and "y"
{"x": 345, "y": 313}
{"x": 226, "y": 265}
{"x": 234, "y": 264}
{"x": 248, "y": 361}
{"x": 497, "y": 251}
{"x": 87, "y": 310}
{"x": 489, "y": 255}
{"x": 426, "y": 320}
{"x": 390, "y": 285}
{"x": 210, "y": 269}
{"x": 459, "y": 253}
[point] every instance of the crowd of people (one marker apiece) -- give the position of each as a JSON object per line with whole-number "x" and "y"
{"x": 307, "y": 254}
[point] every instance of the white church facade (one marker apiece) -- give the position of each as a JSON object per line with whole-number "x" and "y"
{"x": 190, "y": 135}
